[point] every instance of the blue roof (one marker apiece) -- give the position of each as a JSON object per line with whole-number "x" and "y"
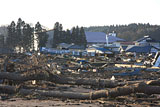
{"x": 100, "y": 37}
{"x": 139, "y": 49}
{"x": 76, "y": 47}
{"x": 103, "y": 49}
{"x": 95, "y": 37}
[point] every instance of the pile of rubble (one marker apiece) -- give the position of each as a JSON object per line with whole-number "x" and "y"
{"x": 69, "y": 77}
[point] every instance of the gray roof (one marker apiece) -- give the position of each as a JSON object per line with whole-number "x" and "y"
{"x": 100, "y": 37}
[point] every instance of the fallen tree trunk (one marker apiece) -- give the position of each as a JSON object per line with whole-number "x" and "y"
{"x": 115, "y": 92}
{"x": 21, "y": 77}
{"x": 7, "y": 89}
{"x": 59, "y": 80}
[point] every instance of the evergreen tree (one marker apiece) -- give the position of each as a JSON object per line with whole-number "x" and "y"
{"x": 68, "y": 36}
{"x": 38, "y": 27}
{"x": 28, "y": 38}
{"x": 19, "y": 33}
{"x": 83, "y": 37}
{"x": 11, "y": 38}
{"x": 58, "y": 36}
{"x": 61, "y": 34}
{"x": 1, "y": 40}
{"x": 73, "y": 35}
{"x": 78, "y": 36}
{"x": 42, "y": 36}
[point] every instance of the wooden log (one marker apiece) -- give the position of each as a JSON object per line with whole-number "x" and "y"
{"x": 7, "y": 89}
{"x": 55, "y": 94}
{"x": 120, "y": 91}
{"x": 147, "y": 89}
{"x": 74, "y": 95}
{"x": 59, "y": 80}
{"x": 97, "y": 82}
{"x": 115, "y": 92}
{"x": 21, "y": 77}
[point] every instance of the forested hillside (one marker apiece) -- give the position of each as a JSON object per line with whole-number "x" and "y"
{"x": 129, "y": 32}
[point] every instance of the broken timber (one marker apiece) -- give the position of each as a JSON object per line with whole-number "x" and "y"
{"x": 115, "y": 92}
{"x": 59, "y": 80}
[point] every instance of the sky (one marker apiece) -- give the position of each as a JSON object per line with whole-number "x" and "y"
{"x": 80, "y": 12}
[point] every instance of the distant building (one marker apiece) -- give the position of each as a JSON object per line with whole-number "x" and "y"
{"x": 102, "y": 38}
{"x": 147, "y": 41}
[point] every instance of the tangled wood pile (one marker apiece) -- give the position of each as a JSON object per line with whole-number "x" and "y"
{"x": 56, "y": 76}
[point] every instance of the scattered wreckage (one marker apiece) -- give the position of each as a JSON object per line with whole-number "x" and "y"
{"x": 60, "y": 76}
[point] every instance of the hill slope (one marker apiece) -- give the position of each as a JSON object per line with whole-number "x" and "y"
{"x": 129, "y": 32}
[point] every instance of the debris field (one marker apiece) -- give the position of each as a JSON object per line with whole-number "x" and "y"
{"x": 64, "y": 80}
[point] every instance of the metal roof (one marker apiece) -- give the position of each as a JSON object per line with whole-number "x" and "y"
{"x": 139, "y": 49}
{"x": 100, "y": 37}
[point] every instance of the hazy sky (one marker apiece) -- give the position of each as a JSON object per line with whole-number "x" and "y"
{"x": 80, "y": 12}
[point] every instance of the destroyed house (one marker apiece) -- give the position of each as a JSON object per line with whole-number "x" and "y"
{"x": 141, "y": 49}
{"x": 147, "y": 40}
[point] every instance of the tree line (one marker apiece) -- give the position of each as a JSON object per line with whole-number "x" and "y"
{"x": 76, "y": 35}
{"x": 22, "y": 35}
{"x": 129, "y": 32}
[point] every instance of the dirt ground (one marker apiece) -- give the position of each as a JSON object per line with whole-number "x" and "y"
{"x": 20, "y": 102}
{"x": 17, "y": 102}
